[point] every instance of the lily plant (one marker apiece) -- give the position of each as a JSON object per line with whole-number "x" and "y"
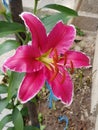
{"x": 47, "y": 58}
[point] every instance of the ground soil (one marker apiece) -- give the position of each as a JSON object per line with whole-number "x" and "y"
{"x": 78, "y": 112}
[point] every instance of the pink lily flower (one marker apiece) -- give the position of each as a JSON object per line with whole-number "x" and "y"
{"x": 46, "y": 59}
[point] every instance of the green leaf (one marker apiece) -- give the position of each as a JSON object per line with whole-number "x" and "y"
{"x": 24, "y": 111}
{"x": 31, "y": 128}
{"x": 42, "y": 127}
{"x": 17, "y": 120}
{"x": 79, "y": 32}
{"x": 3, "y": 88}
{"x": 10, "y": 105}
{"x": 8, "y": 46}
{"x": 15, "y": 80}
{"x": 3, "y": 103}
{"x": 7, "y": 28}
{"x": 51, "y": 20}
{"x": 11, "y": 128}
{"x": 63, "y": 9}
{"x": 5, "y": 120}
{"x": 40, "y": 117}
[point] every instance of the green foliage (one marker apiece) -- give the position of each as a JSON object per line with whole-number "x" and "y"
{"x": 7, "y": 28}
{"x": 11, "y": 128}
{"x": 3, "y": 88}
{"x": 8, "y": 45}
{"x": 17, "y": 119}
{"x": 79, "y": 32}
{"x": 63, "y": 13}
{"x": 14, "y": 82}
{"x": 5, "y": 120}
{"x": 9, "y": 101}
{"x": 50, "y": 20}
{"x": 63, "y": 9}
{"x": 40, "y": 119}
{"x": 3, "y": 103}
{"x": 42, "y": 127}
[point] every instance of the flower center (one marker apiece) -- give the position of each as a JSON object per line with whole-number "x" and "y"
{"x": 52, "y": 63}
{"x": 46, "y": 60}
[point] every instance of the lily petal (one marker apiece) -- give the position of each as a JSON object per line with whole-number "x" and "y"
{"x": 36, "y": 28}
{"x": 24, "y": 60}
{"x": 62, "y": 90}
{"x": 78, "y": 59}
{"x": 31, "y": 85}
{"x": 61, "y": 37}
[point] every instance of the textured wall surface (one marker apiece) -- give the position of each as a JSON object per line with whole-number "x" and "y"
{"x": 68, "y": 3}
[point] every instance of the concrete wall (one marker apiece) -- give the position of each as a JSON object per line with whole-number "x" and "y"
{"x": 68, "y": 3}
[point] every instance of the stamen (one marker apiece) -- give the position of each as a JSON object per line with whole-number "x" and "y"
{"x": 55, "y": 60}
{"x": 55, "y": 64}
{"x": 55, "y": 57}
{"x": 65, "y": 59}
{"x": 72, "y": 67}
{"x": 63, "y": 78}
{"x": 54, "y": 75}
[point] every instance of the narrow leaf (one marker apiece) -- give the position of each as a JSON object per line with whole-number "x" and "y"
{"x": 7, "y": 28}
{"x": 51, "y": 20}
{"x": 3, "y": 88}
{"x": 3, "y": 103}
{"x": 5, "y": 120}
{"x": 15, "y": 80}
{"x": 61, "y": 8}
{"x": 17, "y": 120}
{"x": 8, "y": 46}
{"x": 11, "y": 128}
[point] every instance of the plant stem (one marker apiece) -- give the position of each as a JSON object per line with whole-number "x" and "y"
{"x": 20, "y": 38}
{"x": 35, "y": 6}
{"x": 6, "y": 17}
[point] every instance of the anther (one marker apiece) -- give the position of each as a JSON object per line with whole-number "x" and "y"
{"x": 63, "y": 78}
{"x": 55, "y": 61}
{"x": 65, "y": 59}
{"x": 55, "y": 57}
{"x": 54, "y": 75}
{"x": 72, "y": 67}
